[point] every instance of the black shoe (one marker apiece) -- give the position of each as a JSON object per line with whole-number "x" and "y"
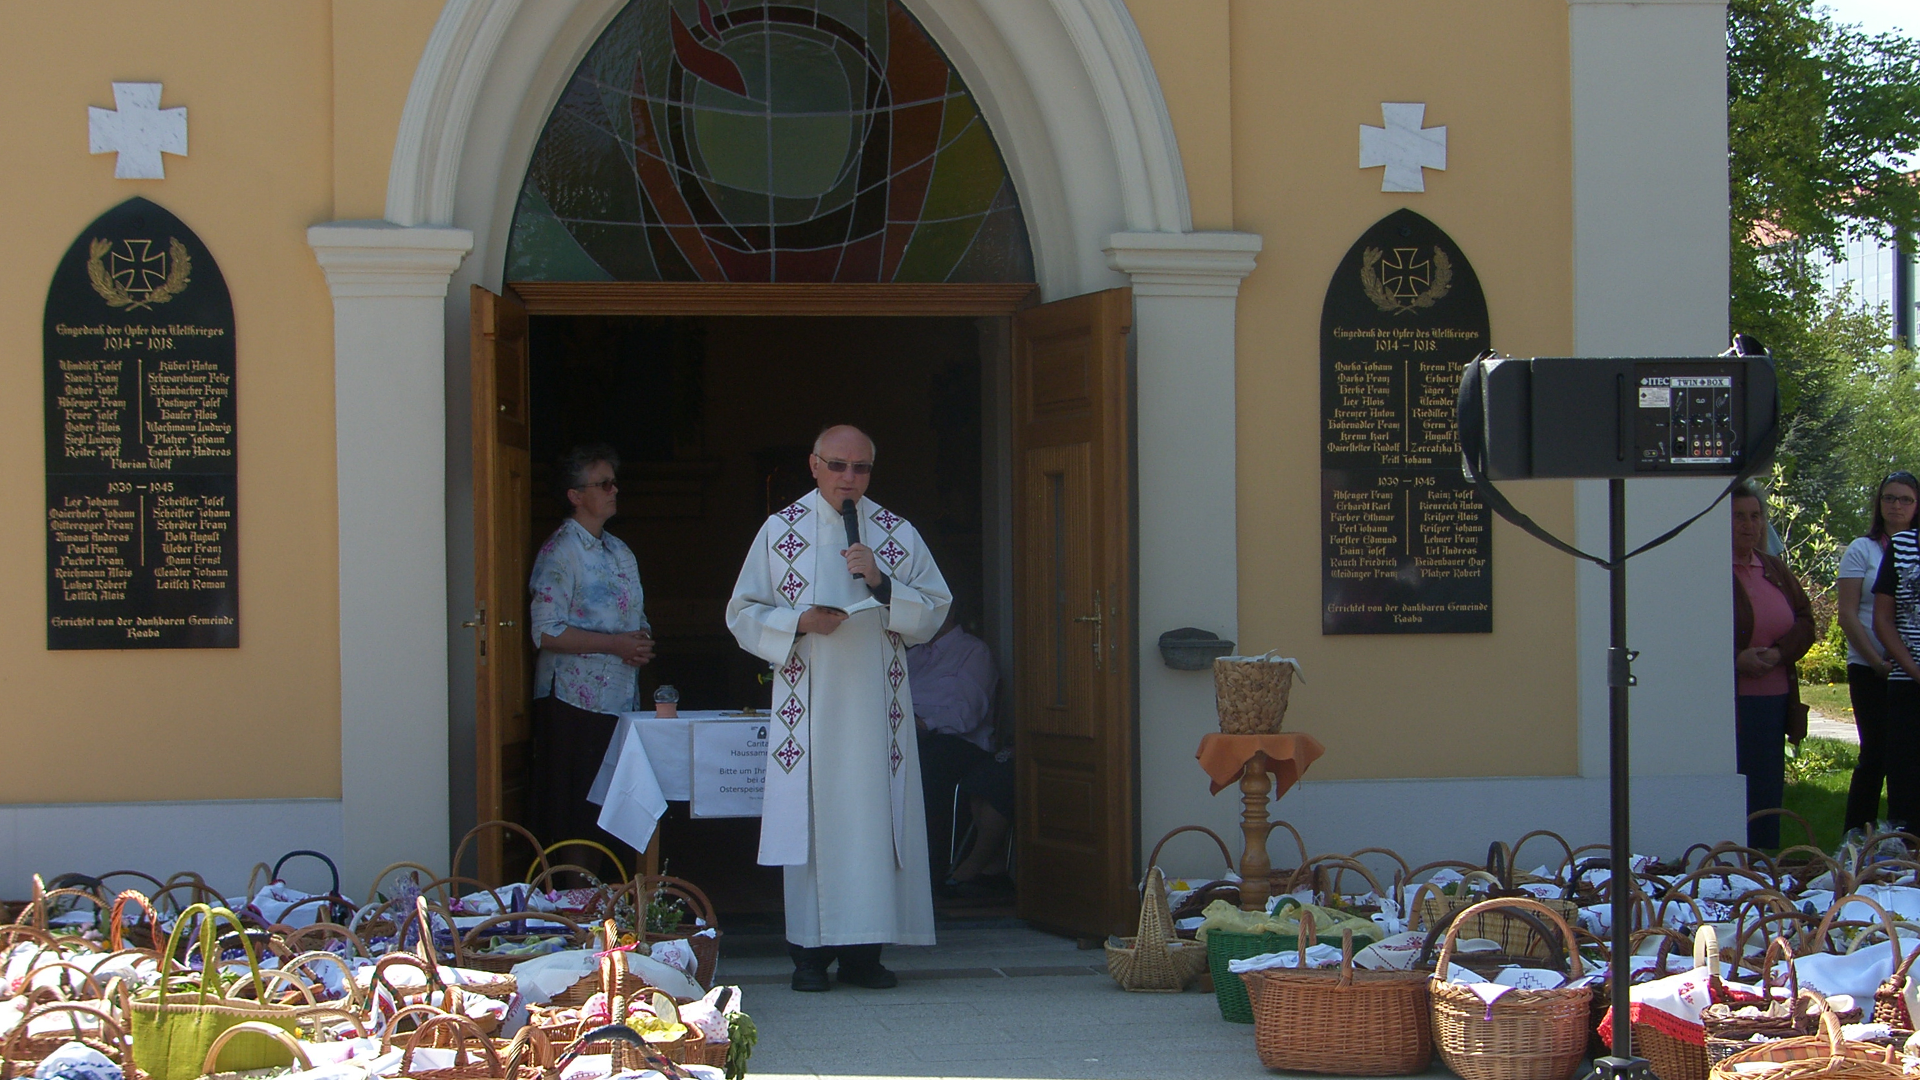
{"x": 810, "y": 968}
{"x": 860, "y": 966}
{"x": 872, "y": 977}
{"x": 811, "y": 980}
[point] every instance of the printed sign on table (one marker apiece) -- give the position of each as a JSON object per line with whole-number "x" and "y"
{"x": 729, "y": 768}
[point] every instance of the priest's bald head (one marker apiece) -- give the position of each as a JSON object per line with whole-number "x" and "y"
{"x": 842, "y": 463}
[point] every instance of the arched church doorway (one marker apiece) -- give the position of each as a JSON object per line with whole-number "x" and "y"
{"x": 744, "y": 221}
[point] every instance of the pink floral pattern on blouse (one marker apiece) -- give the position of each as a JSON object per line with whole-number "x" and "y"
{"x": 592, "y": 583}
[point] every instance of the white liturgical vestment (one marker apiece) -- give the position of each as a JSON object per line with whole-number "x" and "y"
{"x": 843, "y": 812}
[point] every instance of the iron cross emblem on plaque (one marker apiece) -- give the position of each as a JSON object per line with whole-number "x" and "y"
{"x": 1403, "y": 277}
{"x": 137, "y": 268}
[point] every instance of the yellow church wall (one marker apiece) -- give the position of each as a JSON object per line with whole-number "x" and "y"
{"x": 1188, "y": 43}
{"x": 262, "y": 720}
{"x": 1304, "y": 78}
{"x": 376, "y": 47}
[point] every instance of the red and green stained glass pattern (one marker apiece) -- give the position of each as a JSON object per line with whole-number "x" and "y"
{"x": 778, "y": 140}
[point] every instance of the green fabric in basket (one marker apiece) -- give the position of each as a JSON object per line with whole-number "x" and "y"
{"x": 1228, "y": 990}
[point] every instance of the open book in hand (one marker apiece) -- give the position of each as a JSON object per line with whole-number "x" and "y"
{"x": 856, "y": 607}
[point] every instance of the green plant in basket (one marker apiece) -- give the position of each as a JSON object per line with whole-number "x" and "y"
{"x": 664, "y": 914}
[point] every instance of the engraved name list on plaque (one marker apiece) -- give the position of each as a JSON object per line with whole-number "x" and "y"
{"x": 1406, "y": 546}
{"x": 142, "y": 526}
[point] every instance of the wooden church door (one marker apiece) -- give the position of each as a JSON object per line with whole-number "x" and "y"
{"x": 1073, "y": 614}
{"x": 502, "y": 494}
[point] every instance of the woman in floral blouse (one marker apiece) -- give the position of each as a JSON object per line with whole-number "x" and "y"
{"x": 589, "y": 621}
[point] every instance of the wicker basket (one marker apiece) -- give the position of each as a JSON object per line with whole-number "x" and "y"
{"x": 1250, "y": 692}
{"x": 1889, "y": 1001}
{"x": 1672, "y": 1057}
{"x": 706, "y": 947}
{"x": 1825, "y": 1056}
{"x": 1154, "y": 960}
{"x": 1223, "y": 946}
{"x": 1798, "y": 1014}
{"x": 1346, "y": 1022}
{"x": 1523, "y": 1034}
{"x": 1517, "y": 937}
{"x": 90, "y": 1023}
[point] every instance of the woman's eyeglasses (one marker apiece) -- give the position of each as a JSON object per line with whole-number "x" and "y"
{"x": 860, "y": 468}
{"x": 607, "y": 486}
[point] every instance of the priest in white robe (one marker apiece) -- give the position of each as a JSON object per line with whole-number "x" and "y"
{"x": 834, "y": 615}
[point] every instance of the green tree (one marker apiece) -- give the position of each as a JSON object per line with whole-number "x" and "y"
{"x": 1821, "y": 119}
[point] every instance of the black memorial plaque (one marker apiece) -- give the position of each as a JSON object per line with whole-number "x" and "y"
{"x": 142, "y": 526}
{"x": 1406, "y": 546}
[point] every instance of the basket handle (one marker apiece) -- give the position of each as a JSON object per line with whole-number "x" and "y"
{"x": 1766, "y": 970}
{"x": 277, "y": 1034}
{"x": 1500, "y": 866}
{"x": 1154, "y": 858}
{"x": 1886, "y": 922}
{"x": 1304, "y": 935}
{"x": 111, "y": 1032}
{"x": 464, "y": 1033}
{"x": 116, "y": 930}
{"x": 1513, "y": 852}
{"x": 274, "y": 875}
{"x": 1532, "y": 907}
{"x": 209, "y": 956}
{"x": 314, "y": 1014}
{"x": 1706, "y": 948}
{"x": 603, "y": 849}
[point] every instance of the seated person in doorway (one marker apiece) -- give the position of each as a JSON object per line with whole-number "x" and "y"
{"x": 988, "y": 792}
{"x": 953, "y": 687}
{"x": 588, "y": 618}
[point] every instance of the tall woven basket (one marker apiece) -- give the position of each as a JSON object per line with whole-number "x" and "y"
{"x": 1250, "y": 692}
{"x": 1154, "y": 959}
{"x": 1523, "y": 1034}
{"x": 1345, "y": 1022}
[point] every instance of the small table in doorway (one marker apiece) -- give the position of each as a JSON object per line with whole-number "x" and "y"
{"x": 649, "y": 763}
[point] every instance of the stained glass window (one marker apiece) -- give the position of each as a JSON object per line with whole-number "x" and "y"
{"x": 779, "y": 140}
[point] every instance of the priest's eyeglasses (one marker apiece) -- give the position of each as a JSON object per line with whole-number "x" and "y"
{"x": 860, "y": 468}
{"x": 606, "y": 486}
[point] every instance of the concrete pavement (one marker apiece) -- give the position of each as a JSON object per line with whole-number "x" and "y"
{"x": 1000, "y": 1003}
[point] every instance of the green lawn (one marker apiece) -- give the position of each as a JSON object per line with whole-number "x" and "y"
{"x": 1817, "y": 779}
{"x": 1830, "y": 699}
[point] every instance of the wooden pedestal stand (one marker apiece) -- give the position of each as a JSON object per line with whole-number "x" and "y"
{"x": 1267, "y": 767}
{"x": 1255, "y": 866}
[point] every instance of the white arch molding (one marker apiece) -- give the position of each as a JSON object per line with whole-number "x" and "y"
{"x": 1069, "y": 92}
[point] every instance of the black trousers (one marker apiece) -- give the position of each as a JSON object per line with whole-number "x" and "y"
{"x": 568, "y": 743}
{"x": 1868, "y": 689}
{"x": 1760, "y": 749}
{"x": 945, "y": 760}
{"x": 1903, "y": 752}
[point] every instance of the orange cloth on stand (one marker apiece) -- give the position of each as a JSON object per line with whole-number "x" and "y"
{"x": 1225, "y": 757}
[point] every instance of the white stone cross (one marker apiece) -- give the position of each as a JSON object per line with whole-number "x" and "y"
{"x": 137, "y": 129}
{"x": 1403, "y": 146}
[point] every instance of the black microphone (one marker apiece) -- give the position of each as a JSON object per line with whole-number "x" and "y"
{"x": 851, "y": 516}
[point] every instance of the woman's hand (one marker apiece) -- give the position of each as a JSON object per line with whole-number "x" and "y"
{"x": 1753, "y": 663}
{"x": 634, "y": 648}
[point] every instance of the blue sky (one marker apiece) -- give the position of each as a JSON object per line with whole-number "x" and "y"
{"x": 1878, "y": 16}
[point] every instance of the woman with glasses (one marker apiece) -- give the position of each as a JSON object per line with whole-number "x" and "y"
{"x": 588, "y": 618}
{"x": 1872, "y": 665}
{"x": 1867, "y": 662}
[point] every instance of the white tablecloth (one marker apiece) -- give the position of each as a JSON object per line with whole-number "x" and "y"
{"x": 648, "y": 764}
